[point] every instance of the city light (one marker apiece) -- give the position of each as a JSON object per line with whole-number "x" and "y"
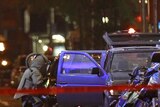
{"x": 105, "y": 19}
{"x": 2, "y": 47}
{"x": 4, "y": 62}
{"x": 131, "y": 30}
{"x": 45, "y": 48}
{"x": 39, "y": 41}
{"x": 58, "y": 38}
{"x": 58, "y": 49}
{"x": 146, "y": 1}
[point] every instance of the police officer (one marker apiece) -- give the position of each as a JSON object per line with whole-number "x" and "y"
{"x": 32, "y": 78}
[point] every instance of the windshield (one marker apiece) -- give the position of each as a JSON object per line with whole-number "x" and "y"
{"x": 128, "y": 61}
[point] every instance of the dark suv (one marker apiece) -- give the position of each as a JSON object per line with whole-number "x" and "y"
{"x": 125, "y": 52}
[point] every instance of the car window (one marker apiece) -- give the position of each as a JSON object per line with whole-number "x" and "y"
{"x": 77, "y": 64}
{"x": 128, "y": 61}
{"x": 96, "y": 57}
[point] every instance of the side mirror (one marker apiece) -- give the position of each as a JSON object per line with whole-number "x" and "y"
{"x": 155, "y": 57}
{"x": 95, "y": 70}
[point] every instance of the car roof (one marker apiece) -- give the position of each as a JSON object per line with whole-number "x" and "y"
{"x": 134, "y": 39}
{"x": 134, "y": 49}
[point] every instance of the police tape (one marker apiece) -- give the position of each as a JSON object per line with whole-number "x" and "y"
{"x": 76, "y": 89}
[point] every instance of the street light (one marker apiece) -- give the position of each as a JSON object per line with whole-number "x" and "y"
{"x": 4, "y": 63}
{"x": 146, "y": 1}
{"x": 45, "y": 48}
{"x": 105, "y": 19}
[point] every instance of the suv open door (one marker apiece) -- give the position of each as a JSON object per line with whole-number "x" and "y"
{"x": 79, "y": 69}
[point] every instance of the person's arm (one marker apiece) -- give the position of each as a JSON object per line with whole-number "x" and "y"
{"x": 37, "y": 78}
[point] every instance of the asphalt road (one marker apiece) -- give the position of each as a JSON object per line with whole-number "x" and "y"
{"x": 8, "y": 101}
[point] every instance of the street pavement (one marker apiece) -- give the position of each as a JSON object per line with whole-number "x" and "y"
{"x": 8, "y": 101}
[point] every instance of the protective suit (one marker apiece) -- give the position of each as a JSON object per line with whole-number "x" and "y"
{"x": 32, "y": 78}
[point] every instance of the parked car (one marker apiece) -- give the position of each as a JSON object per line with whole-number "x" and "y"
{"x": 80, "y": 69}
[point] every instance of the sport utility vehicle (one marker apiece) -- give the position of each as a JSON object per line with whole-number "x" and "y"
{"x": 127, "y": 51}
{"x": 80, "y": 69}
